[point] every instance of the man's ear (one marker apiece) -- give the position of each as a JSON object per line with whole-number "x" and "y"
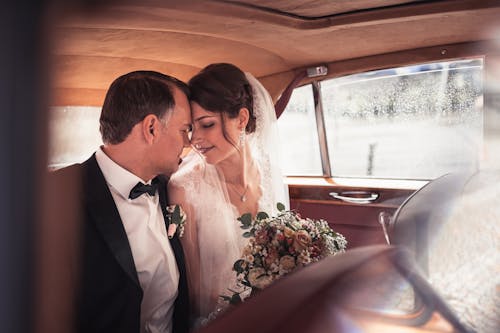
{"x": 150, "y": 127}
{"x": 243, "y": 117}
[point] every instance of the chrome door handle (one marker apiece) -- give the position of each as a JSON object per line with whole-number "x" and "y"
{"x": 358, "y": 197}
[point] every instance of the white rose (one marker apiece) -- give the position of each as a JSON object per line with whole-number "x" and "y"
{"x": 258, "y": 278}
{"x": 254, "y": 274}
{"x": 263, "y": 281}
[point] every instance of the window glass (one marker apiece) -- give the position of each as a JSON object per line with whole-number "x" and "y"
{"x": 299, "y": 136}
{"x": 73, "y": 134}
{"x": 415, "y": 122}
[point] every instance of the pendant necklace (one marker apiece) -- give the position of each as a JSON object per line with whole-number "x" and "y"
{"x": 243, "y": 196}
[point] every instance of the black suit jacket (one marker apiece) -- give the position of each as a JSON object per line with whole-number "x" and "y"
{"x": 108, "y": 297}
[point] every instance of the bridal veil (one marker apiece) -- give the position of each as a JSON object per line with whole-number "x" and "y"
{"x": 219, "y": 236}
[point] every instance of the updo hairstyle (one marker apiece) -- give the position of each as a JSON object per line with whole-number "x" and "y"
{"x": 223, "y": 88}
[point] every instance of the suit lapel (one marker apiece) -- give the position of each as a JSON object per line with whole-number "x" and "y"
{"x": 102, "y": 208}
{"x": 176, "y": 246}
{"x": 181, "y": 307}
{"x": 162, "y": 192}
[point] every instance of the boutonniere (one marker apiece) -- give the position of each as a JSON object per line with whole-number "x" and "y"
{"x": 176, "y": 218}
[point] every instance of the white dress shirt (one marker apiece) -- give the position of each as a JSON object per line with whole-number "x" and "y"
{"x": 153, "y": 255}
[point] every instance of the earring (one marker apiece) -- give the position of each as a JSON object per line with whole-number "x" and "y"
{"x": 242, "y": 138}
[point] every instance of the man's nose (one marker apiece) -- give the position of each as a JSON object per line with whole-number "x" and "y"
{"x": 186, "y": 143}
{"x": 195, "y": 137}
{"x": 187, "y": 139}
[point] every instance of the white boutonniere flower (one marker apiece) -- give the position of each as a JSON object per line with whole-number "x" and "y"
{"x": 176, "y": 220}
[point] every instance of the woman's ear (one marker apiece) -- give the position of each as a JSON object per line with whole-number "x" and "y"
{"x": 243, "y": 117}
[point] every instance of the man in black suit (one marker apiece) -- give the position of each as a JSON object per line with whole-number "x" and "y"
{"x": 132, "y": 277}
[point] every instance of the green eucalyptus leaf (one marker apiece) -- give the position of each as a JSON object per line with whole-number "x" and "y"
{"x": 246, "y": 219}
{"x": 238, "y": 266}
{"x": 176, "y": 215}
{"x": 247, "y": 234}
{"x": 280, "y": 207}
{"x": 246, "y": 283}
{"x": 226, "y": 298}
{"x": 236, "y": 299}
{"x": 262, "y": 216}
{"x": 257, "y": 261}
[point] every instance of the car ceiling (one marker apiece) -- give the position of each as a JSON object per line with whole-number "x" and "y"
{"x": 317, "y": 8}
{"x": 90, "y": 46}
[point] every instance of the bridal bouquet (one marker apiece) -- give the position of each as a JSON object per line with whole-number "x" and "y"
{"x": 279, "y": 245}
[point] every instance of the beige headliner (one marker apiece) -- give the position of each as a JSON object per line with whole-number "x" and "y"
{"x": 271, "y": 39}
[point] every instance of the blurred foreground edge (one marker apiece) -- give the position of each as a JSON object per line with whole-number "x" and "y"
{"x": 318, "y": 299}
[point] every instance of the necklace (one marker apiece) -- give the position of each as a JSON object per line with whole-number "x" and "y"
{"x": 243, "y": 196}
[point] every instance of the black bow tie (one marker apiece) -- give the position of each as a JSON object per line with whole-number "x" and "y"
{"x": 141, "y": 188}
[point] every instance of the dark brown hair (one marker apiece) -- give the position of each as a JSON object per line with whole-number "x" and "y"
{"x": 223, "y": 88}
{"x": 133, "y": 96}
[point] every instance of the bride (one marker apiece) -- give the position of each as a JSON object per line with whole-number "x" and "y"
{"x": 231, "y": 171}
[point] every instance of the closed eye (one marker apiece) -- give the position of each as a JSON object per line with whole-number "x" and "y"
{"x": 188, "y": 132}
{"x": 207, "y": 125}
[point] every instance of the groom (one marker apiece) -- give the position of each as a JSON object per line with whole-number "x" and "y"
{"x": 132, "y": 277}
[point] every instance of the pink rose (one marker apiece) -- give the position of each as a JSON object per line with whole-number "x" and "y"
{"x": 172, "y": 228}
{"x": 287, "y": 262}
{"x": 289, "y": 233}
{"x": 302, "y": 240}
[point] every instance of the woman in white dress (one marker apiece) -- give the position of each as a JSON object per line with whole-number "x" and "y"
{"x": 231, "y": 171}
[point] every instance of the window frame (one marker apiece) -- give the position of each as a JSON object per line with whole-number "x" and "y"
{"x": 442, "y": 53}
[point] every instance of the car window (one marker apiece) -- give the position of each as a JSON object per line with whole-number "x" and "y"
{"x": 73, "y": 134}
{"x": 414, "y": 122}
{"x": 299, "y": 136}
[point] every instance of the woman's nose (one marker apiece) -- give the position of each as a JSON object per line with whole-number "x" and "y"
{"x": 196, "y": 139}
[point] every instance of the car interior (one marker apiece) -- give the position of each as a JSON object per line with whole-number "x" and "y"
{"x": 389, "y": 119}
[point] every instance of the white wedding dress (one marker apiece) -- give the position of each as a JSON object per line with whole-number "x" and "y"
{"x": 219, "y": 236}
